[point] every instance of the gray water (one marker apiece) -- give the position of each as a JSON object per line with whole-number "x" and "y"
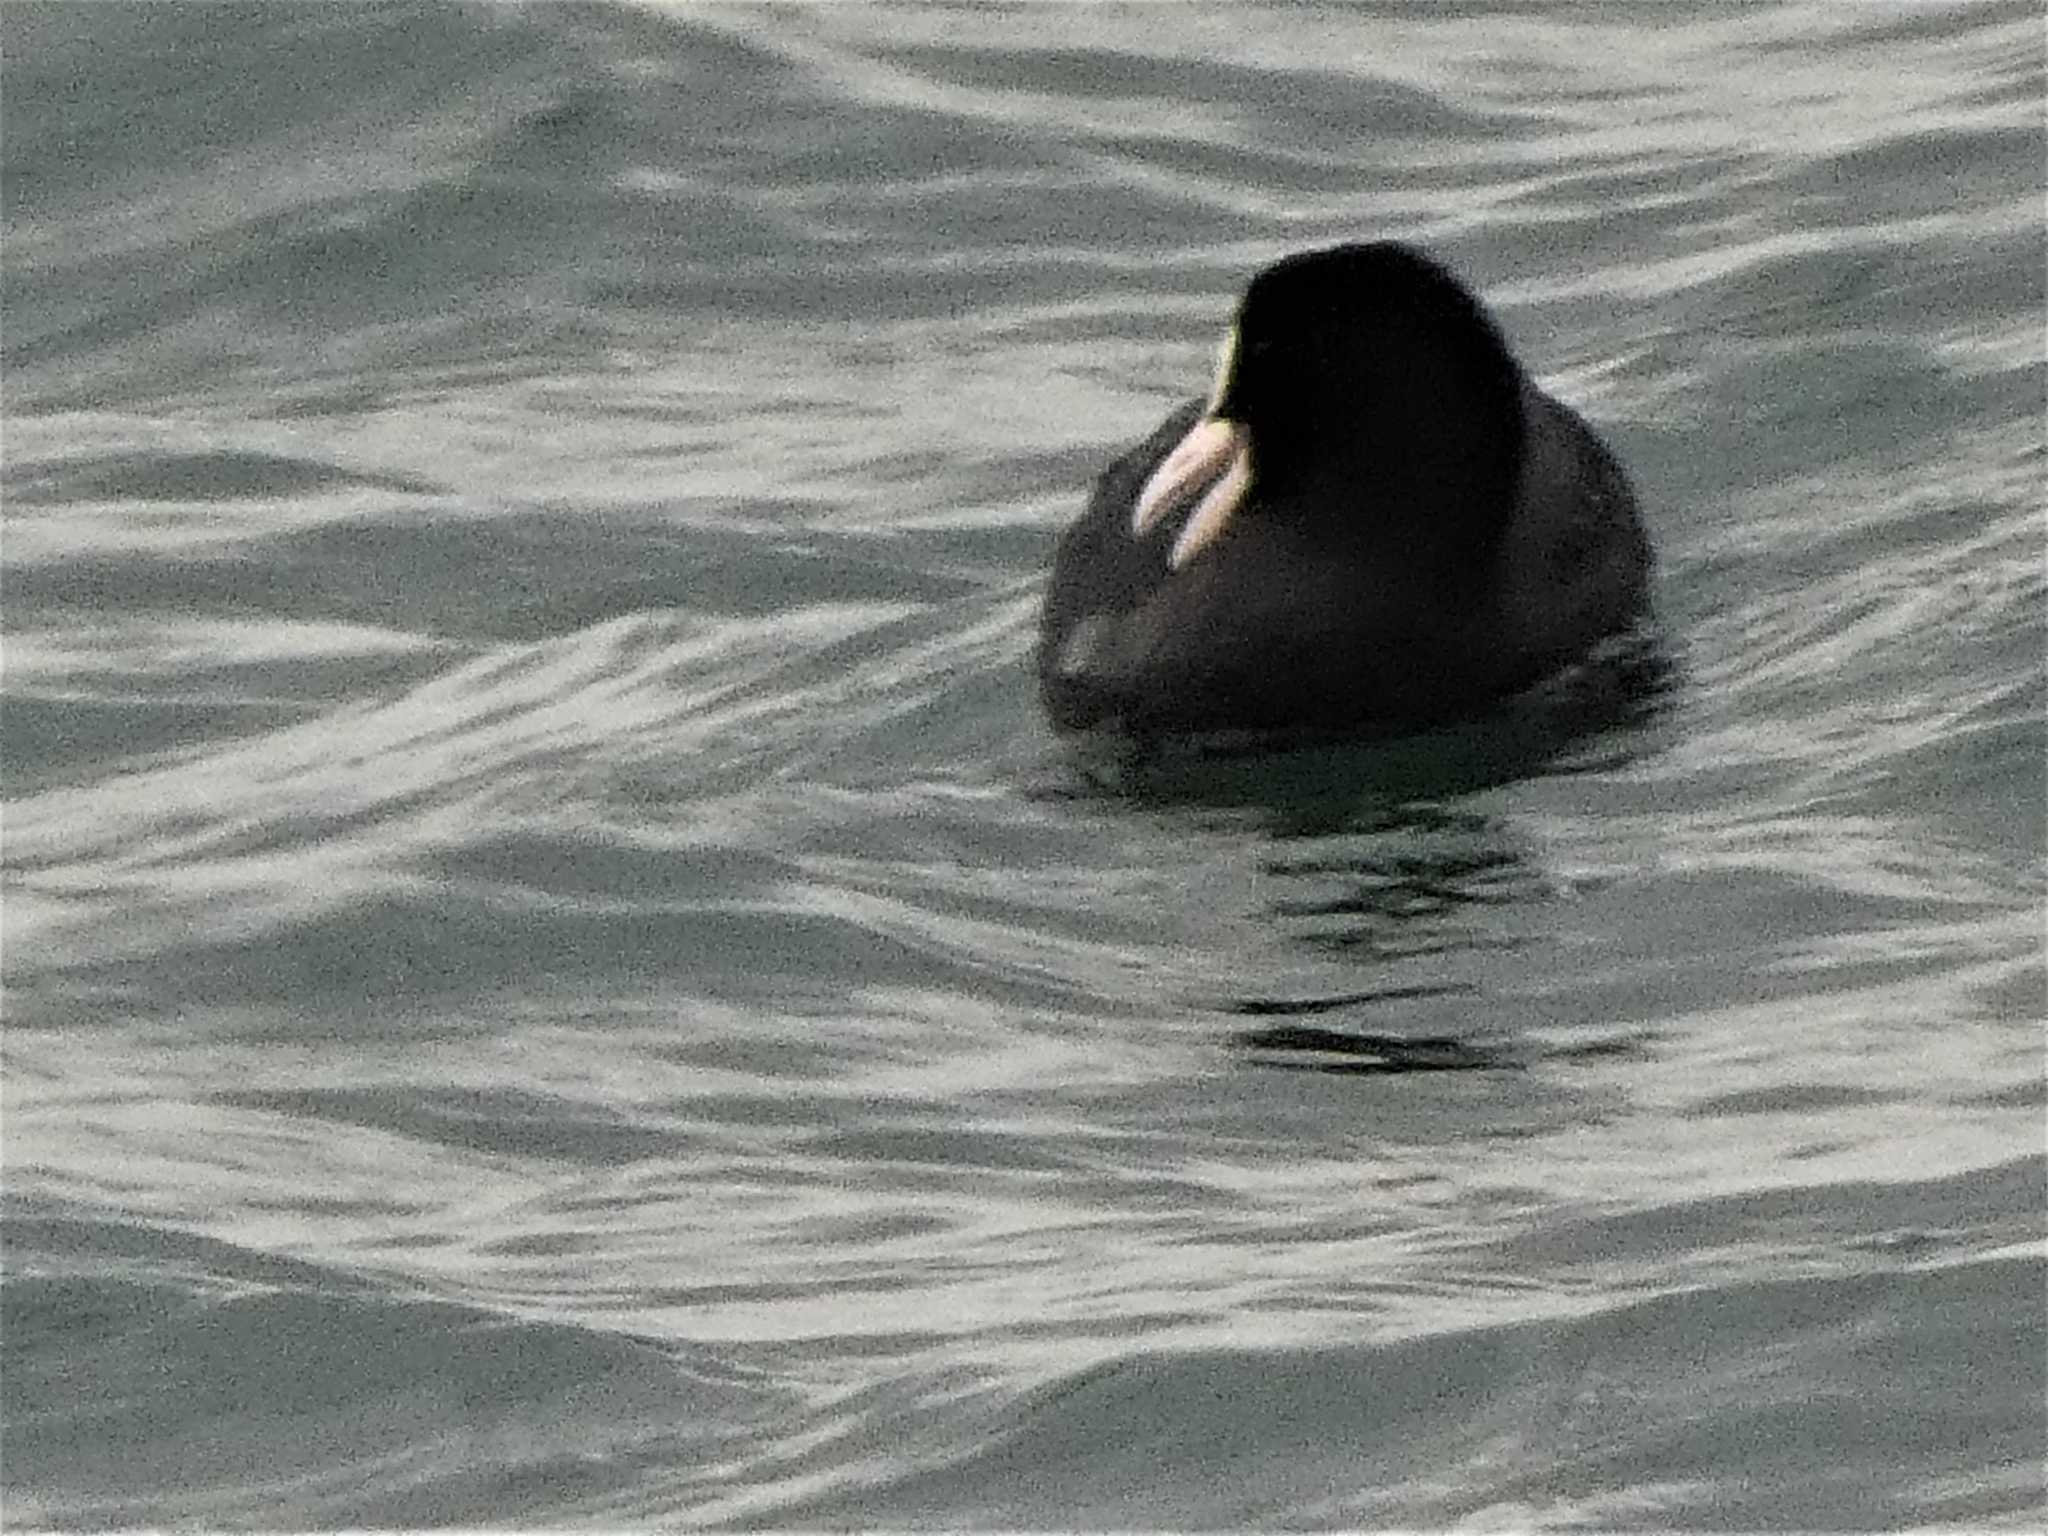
{"x": 554, "y": 974}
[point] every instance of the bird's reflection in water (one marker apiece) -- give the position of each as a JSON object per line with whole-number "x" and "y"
{"x": 1373, "y": 862}
{"x": 1324, "y": 1049}
{"x": 1406, "y": 891}
{"x": 1415, "y": 880}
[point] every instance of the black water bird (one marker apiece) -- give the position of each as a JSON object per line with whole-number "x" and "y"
{"x": 1375, "y": 520}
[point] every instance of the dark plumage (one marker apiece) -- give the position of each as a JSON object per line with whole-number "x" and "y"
{"x": 1376, "y": 519}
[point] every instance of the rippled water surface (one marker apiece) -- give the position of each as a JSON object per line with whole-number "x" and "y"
{"x": 555, "y": 975}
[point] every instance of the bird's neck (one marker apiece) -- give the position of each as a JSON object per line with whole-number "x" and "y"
{"x": 1441, "y": 499}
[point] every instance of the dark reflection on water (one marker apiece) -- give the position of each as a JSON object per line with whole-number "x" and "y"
{"x": 1372, "y": 861}
{"x": 1300, "y": 1047}
{"x": 1263, "y": 1007}
{"x": 1401, "y": 885}
{"x": 1385, "y": 902}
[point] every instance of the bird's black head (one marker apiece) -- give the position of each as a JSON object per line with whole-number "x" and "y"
{"x": 1368, "y": 375}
